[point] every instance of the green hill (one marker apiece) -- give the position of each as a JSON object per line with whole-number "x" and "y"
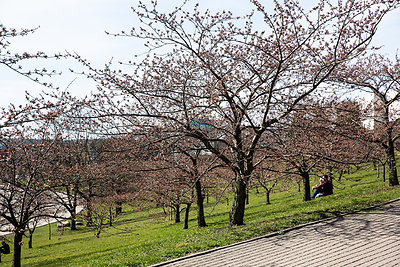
{"x": 147, "y": 236}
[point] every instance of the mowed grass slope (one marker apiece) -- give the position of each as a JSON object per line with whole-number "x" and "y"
{"x": 141, "y": 238}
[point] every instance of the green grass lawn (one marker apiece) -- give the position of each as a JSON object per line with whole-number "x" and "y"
{"x": 142, "y": 238}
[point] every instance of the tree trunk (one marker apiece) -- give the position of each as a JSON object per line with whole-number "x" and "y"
{"x": 118, "y": 209}
{"x": 110, "y": 217}
{"x": 306, "y": 186}
{"x": 16, "y": 261}
{"x": 377, "y": 172}
{"x": 384, "y": 172}
{"x": 73, "y": 222}
{"x": 201, "y": 221}
{"x": 99, "y": 228}
{"x": 186, "y": 223}
{"x": 267, "y": 193}
{"x": 391, "y": 159}
{"x": 89, "y": 221}
{"x": 31, "y": 231}
{"x": 177, "y": 213}
{"x": 340, "y": 176}
{"x": 247, "y": 196}
{"x": 73, "y": 213}
{"x": 236, "y": 216}
{"x": 30, "y": 242}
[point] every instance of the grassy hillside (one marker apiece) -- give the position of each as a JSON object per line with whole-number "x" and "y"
{"x": 141, "y": 238}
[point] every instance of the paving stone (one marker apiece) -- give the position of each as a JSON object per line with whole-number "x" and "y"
{"x": 366, "y": 238}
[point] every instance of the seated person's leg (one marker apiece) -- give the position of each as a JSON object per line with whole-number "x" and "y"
{"x": 316, "y": 192}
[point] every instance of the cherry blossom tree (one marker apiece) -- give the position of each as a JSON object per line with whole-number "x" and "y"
{"x": 168, "y": 187}
{"x": 380, "y": 76}
{"x": 26, "y": 146}
{"x": 268, "y": 180}
{"x": 14, "y": 61}
{"x": 237, "y": 75}
{"x": 69, "y": 171}
{"x": 317, "y": 137}
{"x": 26, "y": 154}
{"x": 194, "y": 162}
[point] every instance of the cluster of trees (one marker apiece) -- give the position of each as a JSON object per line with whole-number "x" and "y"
{"x": 228, "y": 102}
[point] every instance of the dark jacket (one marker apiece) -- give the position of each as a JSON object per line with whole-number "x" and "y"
{"x": 325, "y": 188}
{"x": 5, "y": 248}
{"x": 328, "y": 188}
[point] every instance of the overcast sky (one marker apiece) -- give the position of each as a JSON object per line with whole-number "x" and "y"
{"x": 79, "y": 26}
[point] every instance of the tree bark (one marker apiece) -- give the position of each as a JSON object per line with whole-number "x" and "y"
{"x": 267, "y": 193}
{"x": 384, "y": 172}
{"x": 201, "y": 221}
{"x": 49, "y": 230}
{"x": 236, "y": 215}
{"x": 391, "y": 159}
{"x": 30, "y": 242}
{"x": 306, "y": 186}
{"x": 16, "y": 261}
{"x": 177, "y": 213}
{"x": 73, "y": 219}
{"x": 89, "y": 221}
{"x": 31, "y": 231}
{"x": 247, "y": 196}
{"x": 377, "y": 171}
{"x": 99, "y": 228}
{"x": 186, "y": 222}
{"x": 110, "y": 217}
{"x": 118, "y": 209}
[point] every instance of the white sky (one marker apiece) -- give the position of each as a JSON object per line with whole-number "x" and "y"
{"x": 79, "y": 25}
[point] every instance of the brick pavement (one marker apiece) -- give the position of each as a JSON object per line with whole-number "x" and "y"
{"x": 370, "y": 237}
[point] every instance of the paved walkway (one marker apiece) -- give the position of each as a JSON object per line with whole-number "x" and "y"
{"x": 61, "y": 213}
{"x": 369, "y": 237}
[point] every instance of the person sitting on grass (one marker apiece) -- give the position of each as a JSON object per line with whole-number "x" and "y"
{"x": 325, "y": 188}
{"x": 5, "y": 248}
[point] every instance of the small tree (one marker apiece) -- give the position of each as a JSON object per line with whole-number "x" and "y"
{"x": 268, "y": 182}
{"x": 195, "y": 162}
{"x": 100, "y": 214}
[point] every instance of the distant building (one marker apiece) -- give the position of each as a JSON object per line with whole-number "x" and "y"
{"x": 378, "y": 112}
